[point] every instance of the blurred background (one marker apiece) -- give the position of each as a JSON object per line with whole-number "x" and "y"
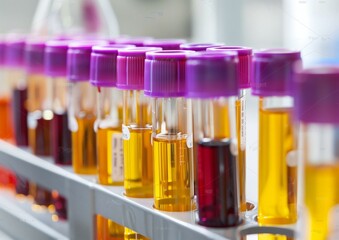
{"x": 311, "y": 26}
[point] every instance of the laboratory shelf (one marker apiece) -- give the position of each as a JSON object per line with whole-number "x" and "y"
{"x": 85, "y": 198}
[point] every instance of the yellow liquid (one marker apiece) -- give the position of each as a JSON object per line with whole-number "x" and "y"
{"x": 321, "y": 195}
{"x": 131, "y": 235}
{"x": 84, "y": 147}
{"x": 173, "y": 175}
{"x": 110, "y": 156}
{"x": 277, "y": 181}
{"x": 241, "y": 153}
{"x": 138, "y": 163}
{"x": 109, "y": 230}
{"x": 221, "y": 123}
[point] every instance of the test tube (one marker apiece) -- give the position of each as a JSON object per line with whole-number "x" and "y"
{"x": 137, "y": 122}
{"x": 212, "y": 82}
{"x": 172, "y": 130}
{"x": 108, "y": 128}
{"x": 316, "y": 101}
{"x": 6, "y": 126}
{"x": 245, "y": 60}
{"x": 55, "y": 70}
{"x": 272, "y": 81}
{"x": 82, "y": 107}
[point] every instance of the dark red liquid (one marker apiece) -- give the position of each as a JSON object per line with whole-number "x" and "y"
{"x": 218, "y": 204}
{"x": 41, "y": 139}
{"x": 21, "y": 185}
{"x": 61, "y": 140}
{"x": 7, "y": 178}
{"x": 60, "y": 204}
{"x": 20, "y": 116}
{"x": 42, "y": 196}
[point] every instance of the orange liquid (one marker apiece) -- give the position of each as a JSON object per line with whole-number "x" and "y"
{"x": 84, "y": 147}
{"x": 6, "y": 127}
{"x": 109, "y": 230}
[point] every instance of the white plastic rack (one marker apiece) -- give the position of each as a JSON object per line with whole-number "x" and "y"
{"x": 86, "y": 198}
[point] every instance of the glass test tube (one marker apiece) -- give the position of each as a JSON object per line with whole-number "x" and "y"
{"x": 197, "y": 47}
{"x": 316, "y": 111}
{"x": 245, "y": 60}
{"x": 212, "y": 82}
{"x": 55, "y": 70}
{"x": 272, "y": 81}
{"x": 137, "y": 122}
{"x": 108, "y": 128}
{"x": 82, "y": 107}
{"x": 172, "y": 130}
{"x": 132, "y": 235}
{"x": 40, "y": 113}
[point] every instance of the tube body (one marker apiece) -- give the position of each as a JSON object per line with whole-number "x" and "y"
{"x": 137, "y": 131}
{"x": 277, "y": 168}
{"x": 109, "y": 136}
{"x": 82, "y": 115}
{"x": 173, "y": 154}
{"x": 321, "y": 184}
{"x": 218, "y": 191}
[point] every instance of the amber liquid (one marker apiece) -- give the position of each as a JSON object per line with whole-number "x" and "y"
{"x": 273, "y": 237}
{"x": 321, "y": 194}
{"x": 138, "y": 163}
{"x": 6, "y": 127}
{"x": 110, "y": 156}
{"x": 84, "y": 147}
{"x": 277, "y": 180}
{"x": 173, "y": 175}
{"x": 240, "y": 125}
{"x": 131, "y": 235}
{"x": 39, "y": 133}
{"x": 109, "y": 230}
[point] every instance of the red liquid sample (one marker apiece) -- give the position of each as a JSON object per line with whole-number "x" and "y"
{"x": 61, "y": 140}
{"x": 7, "y": 178}
{"x": 60, "y": 204}
{"x": 40, "y": 139}
{"x": 20, "y": 117}
{"x": 218, "y": 202}
{"x": 21, "y": 186}
{"x": 6, "y": 128}
{"x": 42, "y": 196}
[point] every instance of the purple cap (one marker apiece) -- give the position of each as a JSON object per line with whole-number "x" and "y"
{"x": 199, "y": 47}
{"x": 137, "y": 41}
{"x": 244, "y": 64}
{"x": 14, "y": 52}
{"x": 2, "y": 52}
{"x": 35, "y": 56}
{"x": 79, "y": 60}
{"x": 317, "y": 95}
{"x": 104, "y": 64}
{"x": 165, "y": 73}
{"x": 165, "y": 44}
{"x": 56, "y": 58}
{"x": 131, "y": 66}
{"x": 272, "y": 72}
{"x": 212, "y": 74}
